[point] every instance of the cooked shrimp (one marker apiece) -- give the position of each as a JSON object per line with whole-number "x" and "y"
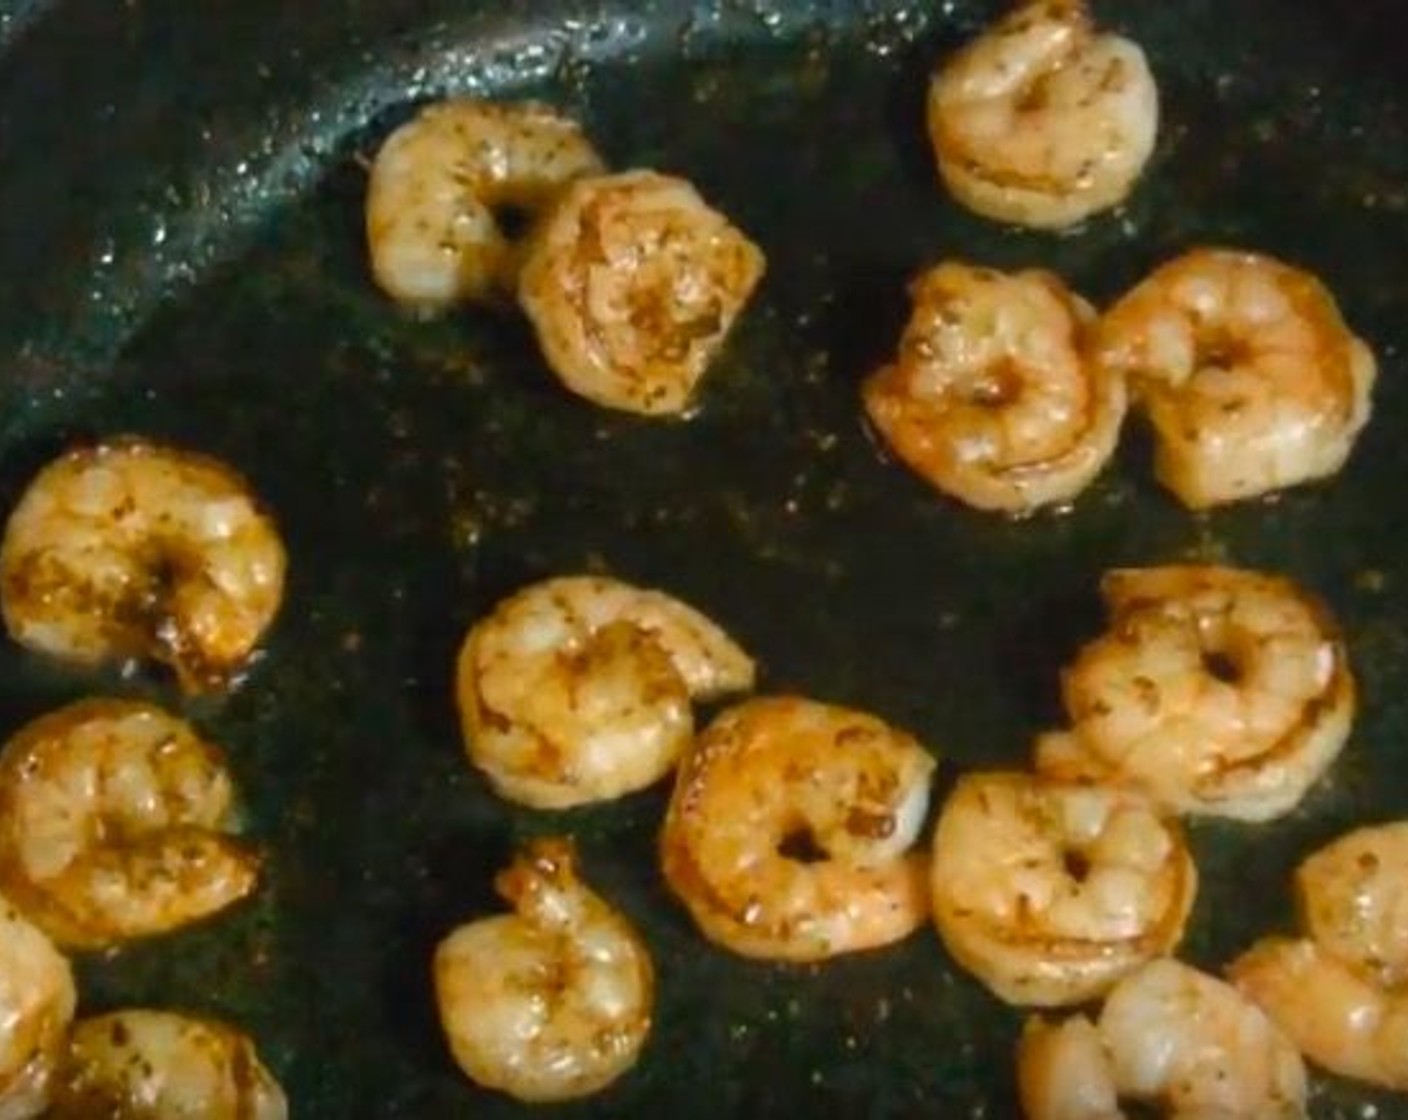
{"x": 37, "y": 999}
{"x": 1169, "y": 1036}
{"x": 1354, "y": 901}
{"x": 1041, "y": 121}
{"x": 1341, "y": 1021}
{"x": 129, "y": 549}
{"x": 1049, "y": 892}
{"x": 633, "y": 283}
{"x": 774, "y": 782}
{"x": 578, "y": 689}
{"x": 156, "y": 1065}
{"x": 1252, "y": 380}
{"x": 992, "y": 398}
{"x": 1342, "y": 995}
{"x": 111, "y": 814}
{"x": 440, "y": 184}
{"x": 553, "y": 1001}
{"x": 1215, "y": 691}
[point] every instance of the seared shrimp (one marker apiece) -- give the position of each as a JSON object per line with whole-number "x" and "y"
{"x": 633, "y": 283}
{"x": 1342, "y": 995}
{"x": 37, "y": 999}
{"x": 1341, "y": 1021}
{"x": 1168, "y": 1036}
{"x": 1215, "y": 691}
{"x": 774, "y": 773}
{"x": 1041, "y": 121}
{"x": 578, "y": 689}
{"x": 439, "y": 185}
{"x": 111, "y": 814}
{"x": 156, "y": 1065}
{"x": 1252, "y": 380}
{"x": 129, "y": 549}
{"x": 1353, "y": 896}
{"x": 553, "y": 1001}
{"x": 992, "y": 398}
{"x": 1049, "y": 893}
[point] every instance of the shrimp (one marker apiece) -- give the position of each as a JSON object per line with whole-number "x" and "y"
{"x": 1168, "y": 1035}
{"x": 37, "y": 999}
{"x": 578, "y": 689}
{"x": 129, "y": 549}
{"x": 1042, "y": 121}
{"x": 1342, "y": 993}
{"x": 553, "y": 1001}
{"x": 992, "y": 398}
{"x": 633, "y": 283}
{"x": 439, "y": 185}
{"x": 110, "y": 824}
{"x": 788, "y": 832}
{"x": 1341, "y": 1021}
{"x": 1049, "y": 893}
{"x": 1252, "y": 381}
{"x": 1353, "y": 897}
{"x": 141, "y": 1064}
{"x": 1215, "y": 691}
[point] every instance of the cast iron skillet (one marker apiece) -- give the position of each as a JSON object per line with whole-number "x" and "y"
{"x": 181, "y": 251}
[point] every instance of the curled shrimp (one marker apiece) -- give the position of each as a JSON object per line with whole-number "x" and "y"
{"x": 440, "y": 183}
{"x": 1252, "y": 380}
{"x": 1342, "y": 993}
{"x": 1341, "y": 1021}
{"x": 1215, "y": 691}
{"x": 1353, "y": 896}
{"x": 1049, "y": 893}
{"x": 992, "y": 398}
{"x": 129, "y": 549}
{"x": 553, "y": 1001}
{"x": 111, "y": 814}
{"x": 777, "y": 774}
{"x": 579, "y": 689}
{"x": 1042, "y": 121}
{"x": 140, "y": 1064}
{"x": 633, "y": 283}
{"x": 37, "y": 998}
{"x": 1170, "y": 1036}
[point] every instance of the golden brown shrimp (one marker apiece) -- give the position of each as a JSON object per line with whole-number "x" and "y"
{"x": 130, "y": 549}
{"x": 1341, "y": 1021}
{"x": 1169, "y": 1036}
{"x": 1353, "y": 896}
{"x": 1342, "y": 994}
{"x": 140, "y": 1064}
{"x": 633, "y": 283}
{"x": 37, "y": 999}
{"x": 439, "y": 184}
{"x": 111, "y": 814}
{"x": 1251, "y": 378}
{"x": 1215, "y": 691}
{"x": 992, "y": 398}
{"x": 553, "y": 1001}
{"x": 579, "y": 688}
{"x": 778, "y": 771}
{"x": 1049, "y": 892}
{"x": 1042, "y": 121}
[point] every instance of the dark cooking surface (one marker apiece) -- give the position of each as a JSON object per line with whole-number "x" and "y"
{"x": 180, "y": 240}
